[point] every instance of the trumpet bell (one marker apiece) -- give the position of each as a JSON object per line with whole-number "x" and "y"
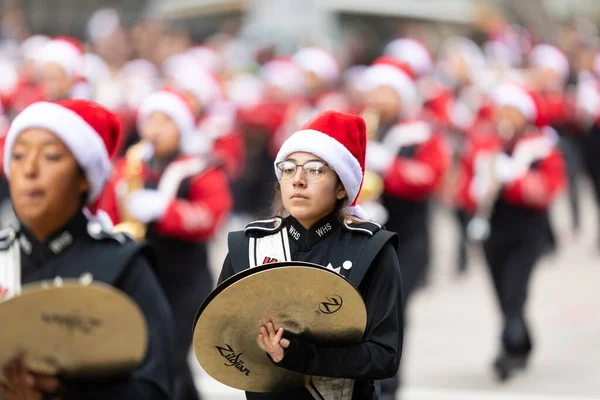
{"x": 134, "y": 229}
{"x": 372, "y": 188}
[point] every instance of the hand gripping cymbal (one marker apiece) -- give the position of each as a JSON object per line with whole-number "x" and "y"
{"x": 308, "y": 300}
{"x": 73, "y": 329}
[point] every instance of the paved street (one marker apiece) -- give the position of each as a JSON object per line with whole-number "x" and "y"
{"x": 453, "y": 332}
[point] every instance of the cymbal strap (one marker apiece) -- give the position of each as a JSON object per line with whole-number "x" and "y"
{"x": 322, "y": 388}
{"x": 10, "y": 271}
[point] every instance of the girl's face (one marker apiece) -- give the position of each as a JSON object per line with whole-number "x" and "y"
{"x": 310, "y": 193}
{"x": 509, "y": 122}
{"x": 55, "y": 82}
{"x": 386, "y": 102}
{"x": 160, "y": 130}
{"x": 46, "y": 184}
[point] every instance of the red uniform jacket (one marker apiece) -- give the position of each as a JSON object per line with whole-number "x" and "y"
{"x": 478, "y": 144}
{"x": 195, "y": 217}
{"x": 420, "y": 153}
{"x": 227, "y": 143}
{"x": 540, "y": 185}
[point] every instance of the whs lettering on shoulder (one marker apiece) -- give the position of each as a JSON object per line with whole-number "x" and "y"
{"x": 324, "y": 229}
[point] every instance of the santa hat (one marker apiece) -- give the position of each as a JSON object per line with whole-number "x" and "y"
{"x": 547, "y": 56}
{"x": 340, "y": 140}
{"x": 518, "y": 97}
{"x": 284, "y": 74}
{"x": 320, "y": 62}
{"x": 411, "y": 52}
{"x": 208, "y": 58}
{"x": 189, "y": 75}
{"x": 467, "y": 49}
{"x": 89, "y": 131}
{"x": 175, "y": 105}
{"x": 500, "y": 54}
{"x": 102, "y": 23}
{"x": 65, "y": 52}
{"x": 245, "y": 90}
{"x": 31, "y": 46}
{"x": 387, "y": 71}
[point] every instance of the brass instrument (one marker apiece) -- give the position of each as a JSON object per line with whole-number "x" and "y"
{"x": 372, "y": 187}
{"x": 134, "y": 170}
{"x": 478, "y": 228}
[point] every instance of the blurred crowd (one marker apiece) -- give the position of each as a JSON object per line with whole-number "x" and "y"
{"x": 499, "y": 113}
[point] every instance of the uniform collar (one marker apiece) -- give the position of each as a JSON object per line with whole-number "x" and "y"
{"x": 305, "y": 238}
{"x": 58, "y": 242}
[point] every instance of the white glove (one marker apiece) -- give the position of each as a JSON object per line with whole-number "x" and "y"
{"x": 147, "y": 205}
{"x": 379, "y": 158}
{"x": 529, "y": 151}
{"x": 507, "y": 169}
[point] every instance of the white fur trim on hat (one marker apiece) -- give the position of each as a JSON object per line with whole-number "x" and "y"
{"x": 176, "y": 108}
{"x": 388, "y": 75}
{"x": 331, "y": 151}
{"x": 79, "y": 137}
{"x": 547, "y": 56}
{"x": 412, "y": 53}
{"x": 64, "y": 54}
{"x": 318, "y": 61}
{"x": 284, "y": 75}
{"x": 514, "y": 96}
{"x": 467, "y": 49}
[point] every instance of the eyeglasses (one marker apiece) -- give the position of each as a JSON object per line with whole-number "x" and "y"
{"x": 312, "y": 170}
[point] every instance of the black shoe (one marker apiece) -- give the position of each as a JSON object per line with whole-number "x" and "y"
{"x": 506, "y": 365}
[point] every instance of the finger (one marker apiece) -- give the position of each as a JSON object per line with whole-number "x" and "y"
{"x": 271, "y": 329}
{"x": 47, "y": 383}
{"x": 284, "y": 343}
{"x": 278, "y": 336}
{"x": 24, "y": 380}
{"x": 264, "y": 331}
{"x": 261, "y": 342}
{"x": 4, "y": 390}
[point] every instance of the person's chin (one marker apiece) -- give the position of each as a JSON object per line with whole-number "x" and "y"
{"x": 31, "y": 213}
{"x": 299, "y": 210}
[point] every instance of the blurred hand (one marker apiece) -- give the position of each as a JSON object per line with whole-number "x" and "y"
{"x": 21, "y": 384}
{"x": 147, "y": 205}
{"x": 272, "y": 341}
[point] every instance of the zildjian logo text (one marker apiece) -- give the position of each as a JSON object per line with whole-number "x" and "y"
{"x": 233, "y": 358}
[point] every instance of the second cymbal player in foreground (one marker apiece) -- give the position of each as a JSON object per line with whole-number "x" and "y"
{"x": 320, "y": 170}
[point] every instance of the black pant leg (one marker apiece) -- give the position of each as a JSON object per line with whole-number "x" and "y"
{"x": 511, "y": 268}
{"x": 463, "y": 219}
{"x": 413, "y": 256}
{"x": 185, "y": 300}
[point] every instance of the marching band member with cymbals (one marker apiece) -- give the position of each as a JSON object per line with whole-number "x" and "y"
{"x": 320, "y": 170}
{"x": 57, "y": 160}
{"x": 531, "y": 173}
{"x": 184, "y": 201}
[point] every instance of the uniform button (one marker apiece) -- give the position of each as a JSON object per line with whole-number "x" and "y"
{"x": 86, "y": 279}
{"x": 347, "y": 265}
{"x": 95, "y": 228}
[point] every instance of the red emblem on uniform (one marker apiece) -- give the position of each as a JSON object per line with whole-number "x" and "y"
{"x": 269, "y": 260}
